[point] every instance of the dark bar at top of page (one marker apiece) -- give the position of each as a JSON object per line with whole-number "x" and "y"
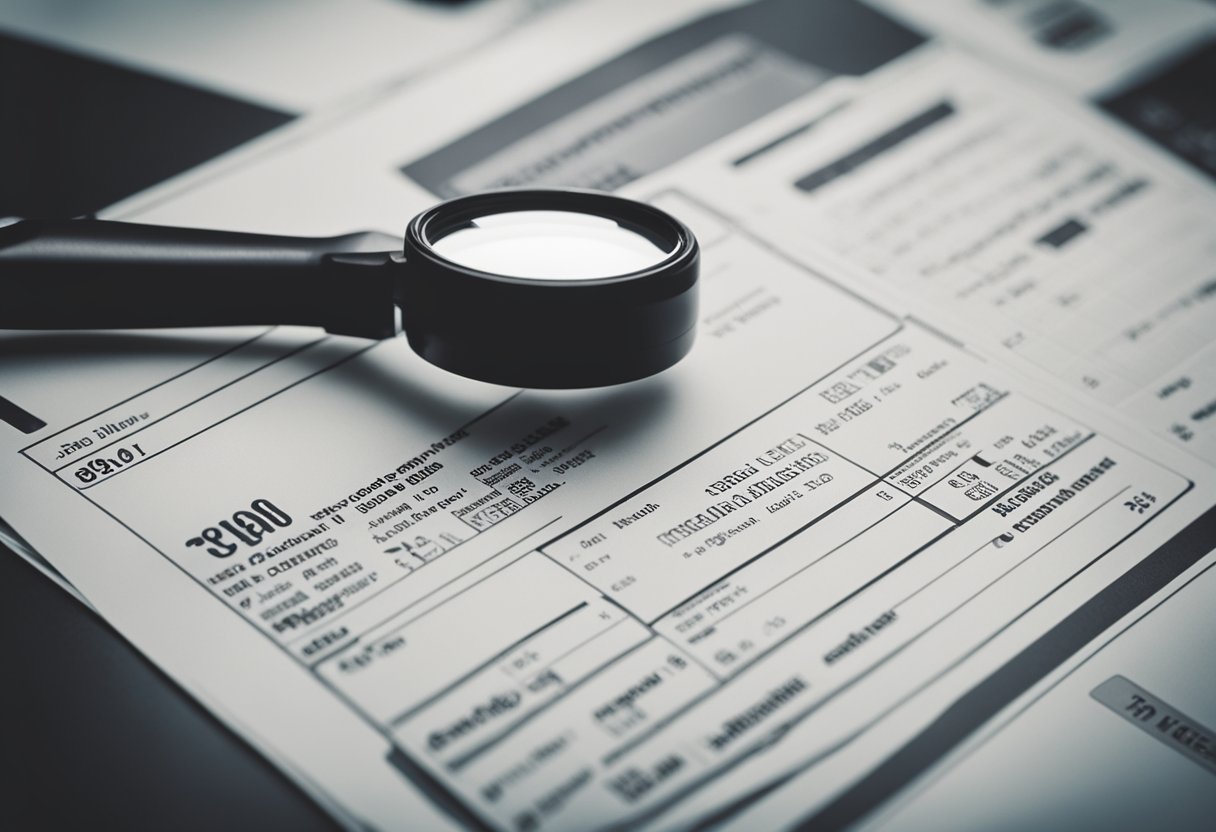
{"x": 877, "y": 147}
{"x": 821, "y": 40}
{"x": 19, "y": 418}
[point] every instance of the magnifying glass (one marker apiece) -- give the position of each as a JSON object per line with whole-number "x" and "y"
{"x": 529, "y": 288}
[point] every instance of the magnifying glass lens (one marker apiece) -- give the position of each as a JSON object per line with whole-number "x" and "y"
{"x": 549, "y": 288}
{"x": 548, "y": 245}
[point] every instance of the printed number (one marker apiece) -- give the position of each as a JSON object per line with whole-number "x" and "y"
{"x": 249, "y": 527}
{"x": 773, "y": 625}
{"x": 101, "y": 466}
{"x": 1140, "y": 503}
{"x": 627, "y": 580}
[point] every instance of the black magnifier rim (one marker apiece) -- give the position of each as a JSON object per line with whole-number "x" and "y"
{"x": 648, "y": 222}
{"x": 549, "y": 332}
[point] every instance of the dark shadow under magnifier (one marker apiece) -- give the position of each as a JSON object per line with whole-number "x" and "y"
{"x": 527, "y": 288}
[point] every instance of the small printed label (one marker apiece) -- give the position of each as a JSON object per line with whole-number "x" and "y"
{"x": 1154, "y": 717}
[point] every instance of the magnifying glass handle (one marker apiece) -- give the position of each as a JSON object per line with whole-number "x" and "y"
{"x": 97, "y": 274}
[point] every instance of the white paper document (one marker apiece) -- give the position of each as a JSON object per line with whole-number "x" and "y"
{"x": 270, "y": 51}
{"x": 940, "y": 437}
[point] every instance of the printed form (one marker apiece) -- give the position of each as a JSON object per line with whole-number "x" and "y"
{"x": 890, "y": 466}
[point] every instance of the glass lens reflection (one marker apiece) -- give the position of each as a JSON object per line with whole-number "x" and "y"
{"x": 549, "y": 245}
